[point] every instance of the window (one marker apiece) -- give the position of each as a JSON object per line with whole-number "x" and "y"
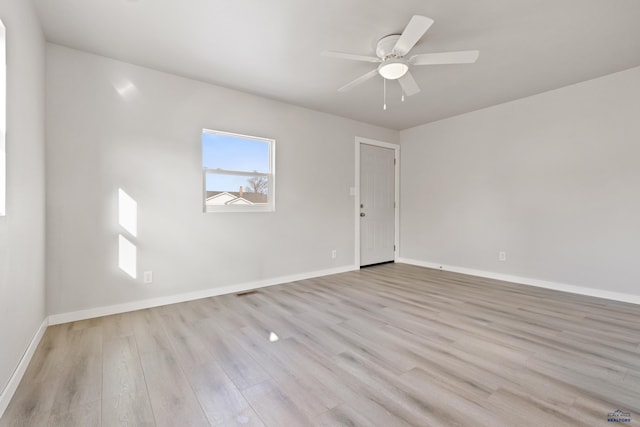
{"x": 237, "y": 172}
{"x": 3, "y": 120}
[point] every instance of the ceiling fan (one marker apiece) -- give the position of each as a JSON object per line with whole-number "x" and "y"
{"x": 392, "y": 55}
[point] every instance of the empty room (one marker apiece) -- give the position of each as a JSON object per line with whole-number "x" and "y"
{"x": 338, "y": 213}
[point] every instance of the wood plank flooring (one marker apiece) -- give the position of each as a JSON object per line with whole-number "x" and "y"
{"x": 391, "y": 345}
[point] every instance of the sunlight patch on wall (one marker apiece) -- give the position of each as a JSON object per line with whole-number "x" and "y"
{"x": 128, "y": 220}
{"x": 127, "y": 212}
{"x": 127, "y": 256}
{"x": 125, "y": 88}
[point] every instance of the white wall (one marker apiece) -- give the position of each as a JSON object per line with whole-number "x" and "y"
{"x": 147, "y": 141}
{"x": 22, "y": 292}
{"x": 553, "y": 180}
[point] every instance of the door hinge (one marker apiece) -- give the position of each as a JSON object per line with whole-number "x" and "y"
{"x": 394, "y": 248}
{"x": 394, "y": 161}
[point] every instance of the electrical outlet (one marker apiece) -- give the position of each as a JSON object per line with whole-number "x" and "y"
{"x": 148, "y": 276}
{"x": 334, "y": 254}
{"x": 502, "y": 256}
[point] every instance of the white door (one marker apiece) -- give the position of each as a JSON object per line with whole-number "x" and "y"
{"x": 377, "y": 199}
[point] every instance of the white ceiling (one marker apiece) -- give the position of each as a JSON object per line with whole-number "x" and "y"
{"x": 272, "y": 48}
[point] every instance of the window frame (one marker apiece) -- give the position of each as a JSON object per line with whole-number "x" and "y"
{"x": 270, "y": 206}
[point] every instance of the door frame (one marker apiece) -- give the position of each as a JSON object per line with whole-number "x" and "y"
{"x": 396, "y": 196}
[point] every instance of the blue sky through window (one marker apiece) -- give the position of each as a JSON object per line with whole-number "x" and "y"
{"x": 236, "y": 153}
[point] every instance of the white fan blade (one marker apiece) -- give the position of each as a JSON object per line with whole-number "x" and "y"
{"x": 410, "y": 36}
{"x": 461, "y": 57}
{"x": 408, "y": 84}
{"x": 359, "y": 80}
{"x": 351, "y": 56}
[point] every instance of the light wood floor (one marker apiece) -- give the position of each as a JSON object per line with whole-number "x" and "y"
{"x": 392, "y": 345}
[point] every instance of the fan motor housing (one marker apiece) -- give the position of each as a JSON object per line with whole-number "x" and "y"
{"x": 384, "y": 47}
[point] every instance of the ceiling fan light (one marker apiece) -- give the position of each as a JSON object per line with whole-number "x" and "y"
{"x": 393, "y": 69}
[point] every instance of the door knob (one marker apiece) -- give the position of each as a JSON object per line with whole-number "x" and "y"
{"x": 361, "y": 213}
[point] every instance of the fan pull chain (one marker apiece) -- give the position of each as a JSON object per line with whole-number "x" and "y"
{"x": 384, "y": 94}
{"x": 402, "y": 99}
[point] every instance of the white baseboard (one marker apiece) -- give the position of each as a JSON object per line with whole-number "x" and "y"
{"x": 580, "y": 290}
{"x": 14, "y": 381}
{"x": 56, "y": 319}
